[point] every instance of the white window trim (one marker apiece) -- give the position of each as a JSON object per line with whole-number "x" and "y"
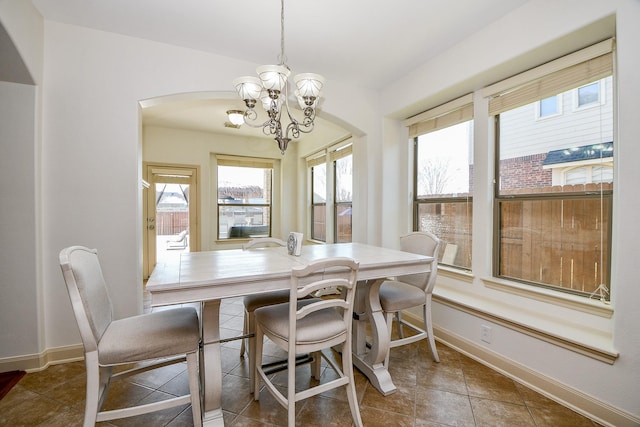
{"x": 556, "y": 114}
{"x": 601, "y": 97}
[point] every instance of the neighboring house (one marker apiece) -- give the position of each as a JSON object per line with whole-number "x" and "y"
{"x": 540, "y": 147}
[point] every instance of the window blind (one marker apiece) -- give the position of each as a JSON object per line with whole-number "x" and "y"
{"x": 315, "y": 161}
{"x": 580, "y": 68}
{"x": 244, "y": 162}
{"x": 340, "y": 153}
{"x": 457, "y": 111}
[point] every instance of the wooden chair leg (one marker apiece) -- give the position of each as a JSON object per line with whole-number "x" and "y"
{"x": 389, "y": 319}
{"x": 194, "y": 388}
{"x": 428, "y": 326}
{"x": 352, "y": 397}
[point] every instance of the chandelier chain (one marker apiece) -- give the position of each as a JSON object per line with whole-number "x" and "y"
{"x": 283, "y": 57}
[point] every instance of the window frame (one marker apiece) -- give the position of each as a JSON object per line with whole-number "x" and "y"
{"x": 336, "y": 155}
{"x": 558, "y": 112}
{"x": 599, "y": 102}
{"x": 591, "y": 55}
{"x": 247, "y": 162}
{"x": 315, "y": 206}
{"x": 327, "y": 157}
{"x": 445, "y": 116}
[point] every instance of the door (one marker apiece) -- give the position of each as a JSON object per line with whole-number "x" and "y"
{"x": 170, "y": 213}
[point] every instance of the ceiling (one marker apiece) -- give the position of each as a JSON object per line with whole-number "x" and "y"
{"x": 362, "y": 42}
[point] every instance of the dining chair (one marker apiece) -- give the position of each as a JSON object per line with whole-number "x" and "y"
{"x": 117, "y": 348}
{"x": 413, "y": 290}
{"x": 255, "y": 301}
{"x": 309, "y": 326}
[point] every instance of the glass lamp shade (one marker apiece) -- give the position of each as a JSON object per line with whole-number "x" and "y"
{"x": 309, "y": 84}
{"x": 302, "y": 103}
{"x": 266, "y": 102}
{"x": 236, "y": 117}
{"x": 273, "y": 77}
{"x": 248, "y": 87}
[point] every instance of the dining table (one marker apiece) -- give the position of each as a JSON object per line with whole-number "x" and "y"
{"x": 208, "y": 277}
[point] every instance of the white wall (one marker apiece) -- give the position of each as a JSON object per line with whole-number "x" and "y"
{"x": 170, "y": 145}
{"x": 91, "y": 157}
{"x": 513, "y": 44}
{"x": 19, "y": 309}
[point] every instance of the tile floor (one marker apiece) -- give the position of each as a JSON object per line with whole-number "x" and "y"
{"x": 455, "y": 392}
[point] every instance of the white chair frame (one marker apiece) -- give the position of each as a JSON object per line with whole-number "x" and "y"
{"x": 325, "y": 271}
{"x": 100, "y": 375}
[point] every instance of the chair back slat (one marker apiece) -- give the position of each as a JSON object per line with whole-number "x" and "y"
{"x": 337, "y": 273}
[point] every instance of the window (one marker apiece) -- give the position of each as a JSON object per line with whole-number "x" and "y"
{"x": 443, "y": 176}
{"x": 244, "y": 197}
{"x": 343, "y": 172}
{"x": 319, "y": 202}
{"x": 554, "y": 178}
{"x": 548, "y": 107}
{"x": 588, "y": 95}
{"x": 331, "y": 176}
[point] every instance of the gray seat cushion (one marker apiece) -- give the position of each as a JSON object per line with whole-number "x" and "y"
{"x": 316, "y": 327}
{"x": 150, "y": 336}
{"x": 252, "y": 302}
{"x": 396, "y": 296}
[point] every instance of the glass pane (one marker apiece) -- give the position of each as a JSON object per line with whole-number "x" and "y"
{"x": 244, "y": 185}
{"x": 588, "y": 94}
{"x": 343, "y": 223}
{"x": 344, "y": 179}
{"x": 244, "y": 202}
{"x": 172, "y": 219}
{"x": 536, "y": 155}
{"x": 444, "y": 160}
{"x": 558, "y": 243}
{"x": 451, "y": 222}
{"x": 549, "y": 106}
{"x": 243, "y": 221}
{"x": 319, "y": 223}
{"x": 319, "y": 183}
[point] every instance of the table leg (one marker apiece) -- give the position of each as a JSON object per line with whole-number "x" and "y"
{"x": 371, "y": 363}
{"x": 211, "y": 365}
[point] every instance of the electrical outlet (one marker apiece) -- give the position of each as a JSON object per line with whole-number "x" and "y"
{"x": 485, "y": 333}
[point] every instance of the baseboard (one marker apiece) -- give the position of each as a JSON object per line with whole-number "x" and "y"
{"x": 599, "y": 411}
{"x": 38, "y": 362}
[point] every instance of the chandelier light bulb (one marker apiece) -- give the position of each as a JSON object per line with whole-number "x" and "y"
{"x": 236, "y": 117}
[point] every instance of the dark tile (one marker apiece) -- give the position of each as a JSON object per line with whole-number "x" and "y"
{"x": 457, "y": 391}
{"x": 443, "y": 407}
{"x": 492, "y": 413}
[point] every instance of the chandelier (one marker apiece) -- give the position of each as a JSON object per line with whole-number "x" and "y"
{"x": 271, "y": 89}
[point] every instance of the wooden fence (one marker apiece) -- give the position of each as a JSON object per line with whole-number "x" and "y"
{"x": 562, "y": 243}
{"x": 558, "y": 242}
{"x": 170, "y": 223}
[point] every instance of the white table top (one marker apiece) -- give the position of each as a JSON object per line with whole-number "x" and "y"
{"x": 202, "y": 276}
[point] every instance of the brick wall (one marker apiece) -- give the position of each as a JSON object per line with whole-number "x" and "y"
{"x": 524, "y": 172}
